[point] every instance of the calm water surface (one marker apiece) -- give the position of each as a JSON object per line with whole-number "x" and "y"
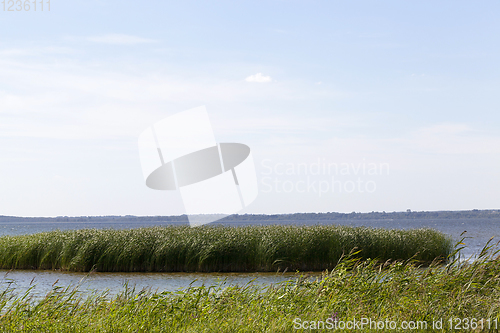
{"x": 478, "y": 232}
{"x": 44, "y": 281}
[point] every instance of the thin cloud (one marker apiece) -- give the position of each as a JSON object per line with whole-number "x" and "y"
{"x": 119, "y": 39}
{"x": 450, "y": 138}
{"x": 35, "y": 51}
{"x": 258, "y": 78}
{"x": 446, "y": 129}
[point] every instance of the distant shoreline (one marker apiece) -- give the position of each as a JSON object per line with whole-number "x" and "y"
{"x": 332, "y": 216}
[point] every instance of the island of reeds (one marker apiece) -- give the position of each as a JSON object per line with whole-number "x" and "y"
{"x": 218, "y": 249}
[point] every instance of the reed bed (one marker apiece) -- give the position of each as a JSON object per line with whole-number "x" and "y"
{"x": 468, "y": 293}
{"x": 217, "y": 249}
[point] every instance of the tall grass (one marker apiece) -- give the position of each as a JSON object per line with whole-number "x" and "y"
{"x": 223, "y": 249}
{"x": 354, "y": 289}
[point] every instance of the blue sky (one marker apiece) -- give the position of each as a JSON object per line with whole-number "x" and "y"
{"x": 412, "y": 85}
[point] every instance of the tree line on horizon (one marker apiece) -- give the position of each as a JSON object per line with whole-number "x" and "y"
{"x": 408, "y": 214}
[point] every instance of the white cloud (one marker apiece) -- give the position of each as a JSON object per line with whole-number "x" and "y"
{"x": 119, "y": 39}
{"x": 258, "y": 78}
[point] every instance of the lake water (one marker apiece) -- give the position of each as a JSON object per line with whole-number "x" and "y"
{"x": 478, "y": 232}
{"x": 44, "y": 281}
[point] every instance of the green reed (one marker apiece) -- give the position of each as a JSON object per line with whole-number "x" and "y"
{"x": 216, "y": 249}
{"x": 354, "y": 289}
